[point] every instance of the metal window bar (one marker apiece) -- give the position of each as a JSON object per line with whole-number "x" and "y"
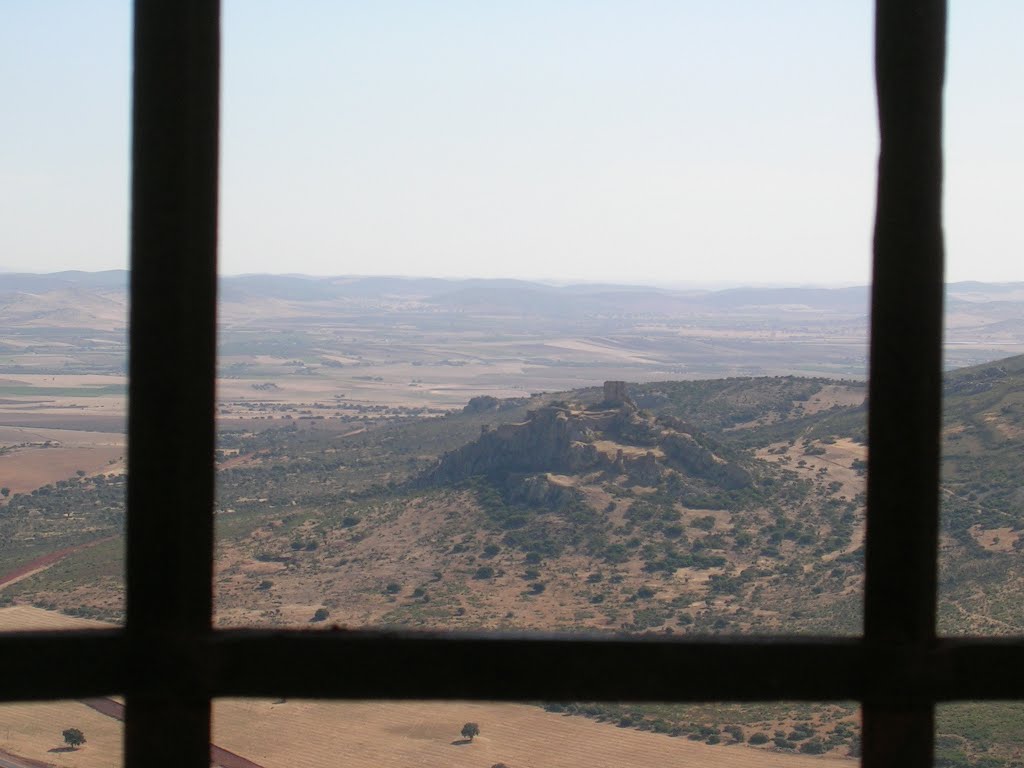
{"x": 170, "y": 663}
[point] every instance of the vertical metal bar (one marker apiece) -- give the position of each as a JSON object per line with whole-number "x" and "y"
{"x": 171, "y": 386}
{"x": 906, "y": 366}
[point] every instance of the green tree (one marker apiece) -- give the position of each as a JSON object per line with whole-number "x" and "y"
{"x": 73, "y": 737}
{"x": 469, "y": 730}
{"x": 5, "y": 491}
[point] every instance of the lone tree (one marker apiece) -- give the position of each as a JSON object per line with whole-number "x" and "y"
{"x": 469, "y": 730}
{"x": 73, "y": 737}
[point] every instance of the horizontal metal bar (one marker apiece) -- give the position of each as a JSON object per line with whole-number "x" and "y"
{"x": 410, "y": 665}
{"x": 62, "y": 665}
{"x": 980, "y": 669}
{"x": 403, "y": 666}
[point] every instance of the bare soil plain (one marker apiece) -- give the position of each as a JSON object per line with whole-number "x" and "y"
{"x": 31, "y": 457}
{"x": 33, "y": 731}
{"x": 311, "y": 734}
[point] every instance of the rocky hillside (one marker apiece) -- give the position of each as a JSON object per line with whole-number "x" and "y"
{"x": 610, "y": 441}
{"x": 727, "y": 506}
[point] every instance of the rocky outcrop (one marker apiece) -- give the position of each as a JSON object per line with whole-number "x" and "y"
{"x": 645, "y": 469}
{"x": 489, "y": 404}
{"x": 549, "y": 440}
{"x": 615, "y": 394}
{"x": 693, "y": 458}
{"x": 538, "y": 491}
{"x": 563, "y": 439}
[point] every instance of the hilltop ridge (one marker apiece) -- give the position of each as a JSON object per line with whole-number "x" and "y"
{"x": 611, "y": 440}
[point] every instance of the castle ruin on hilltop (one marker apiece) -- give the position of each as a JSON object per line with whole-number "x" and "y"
{"x": 615, "y": 393}
{"x": 611, "y": 437}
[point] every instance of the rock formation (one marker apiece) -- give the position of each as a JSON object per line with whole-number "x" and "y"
{"x": 613, "y": 438}
{"x": 615, "y": 394}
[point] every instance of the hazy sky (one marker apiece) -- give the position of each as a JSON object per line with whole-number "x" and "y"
{"x": 640, "y": 141}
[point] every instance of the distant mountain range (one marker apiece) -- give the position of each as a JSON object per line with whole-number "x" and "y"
{"x": 511, "y": 294}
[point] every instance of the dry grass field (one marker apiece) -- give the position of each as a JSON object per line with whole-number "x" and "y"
{"x": 316, "y": 734}
{"x": 835, "y": 464}
{"x": 34, "y": 731}
{"x": 38, "y": 456}
{"x": 24, "y": 618}
{"x": 311, "y": 734}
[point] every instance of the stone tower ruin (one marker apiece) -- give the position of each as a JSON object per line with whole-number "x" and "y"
{"x": 615, "y": 393}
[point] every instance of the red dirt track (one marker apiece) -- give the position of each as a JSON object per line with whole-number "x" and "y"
{"x": 47, "y": 560}
{"x": 218, "y": 756}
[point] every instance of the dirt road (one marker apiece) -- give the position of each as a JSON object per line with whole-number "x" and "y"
{"x": 218, "y": 756}
{"x": 44, "y": 562}
{"x": 7, "y": 760}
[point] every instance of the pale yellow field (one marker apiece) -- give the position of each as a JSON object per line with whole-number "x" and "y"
{"x": 23, "y": 618}
{"x": 834, "y": 394}
{"x": 609, "y": 351}
{"x": 837, "y": 461}
{"x": 316, "y": 734}
{"x": 70, "y": 379}
{"x": 311, "y": 734}
{"x": 34, "y": 731}
{"x": 25, "y": 469}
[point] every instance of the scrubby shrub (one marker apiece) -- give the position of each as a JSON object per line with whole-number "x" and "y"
{"x": 735, "y": 732}
{"x": 800, "y": 732}
{"x": 812, "y": 747}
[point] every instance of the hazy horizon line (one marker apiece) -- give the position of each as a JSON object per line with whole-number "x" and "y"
{"x": 711, "y": 285}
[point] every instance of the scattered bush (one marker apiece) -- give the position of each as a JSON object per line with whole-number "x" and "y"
{"x": 321, "y": 614}
{"x": 735, "y": 732}
{"x": 812, "y": 747}
{"x": 491, "y": 550}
